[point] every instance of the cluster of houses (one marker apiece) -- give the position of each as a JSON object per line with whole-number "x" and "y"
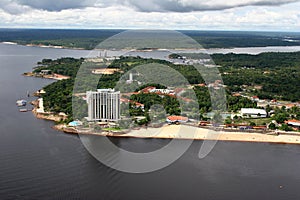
{"x": 115, "y": 99}
{"x": 218, "y": 84}
{"x": 183, "y": 60}
{"x": 266, "y": 102}
{"x": 152, "y": 89}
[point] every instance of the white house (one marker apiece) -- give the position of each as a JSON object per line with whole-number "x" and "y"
{"x": 253, "y": 113}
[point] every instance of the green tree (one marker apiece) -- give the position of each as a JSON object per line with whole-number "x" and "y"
{"x": 285, "y": 127}
{"x": 252, "y": 124}
{"x": 228, "y": 121}
{"x": 272, "y": 126}
{"x": 280, "y": 117}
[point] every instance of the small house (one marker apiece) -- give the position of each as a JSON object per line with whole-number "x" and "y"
{"x": 46, "y": 72}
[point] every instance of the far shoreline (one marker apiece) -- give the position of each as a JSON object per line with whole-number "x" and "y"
{"x": 42, "y": 46}
{"x": 188, "y": 49}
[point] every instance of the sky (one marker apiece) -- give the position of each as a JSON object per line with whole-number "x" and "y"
{"x": 264, "y": 15}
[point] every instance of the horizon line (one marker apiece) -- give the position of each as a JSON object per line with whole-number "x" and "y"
{"x": 127, "y": 29}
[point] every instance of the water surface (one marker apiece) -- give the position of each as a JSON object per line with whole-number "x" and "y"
{"x": 37, "y": 162}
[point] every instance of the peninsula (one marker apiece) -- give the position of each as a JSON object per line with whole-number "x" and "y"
{"x": 249, "y": 81}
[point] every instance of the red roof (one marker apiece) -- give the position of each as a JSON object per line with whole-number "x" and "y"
{"x": 124, "y": 100}
{"x": 138, "y": 104}
{"x": 177, "y": 118}
{"x": 178, "y": 90}
{"x": 292, "y": 121}
{"x": 236, "y": 95}
{"x": 290, "y": 105}
{"x": 147, "y": 89}
{"x": 259, "y": 127}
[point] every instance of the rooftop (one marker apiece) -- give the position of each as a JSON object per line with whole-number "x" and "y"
{"x": 253, "y": 111}
{"x": 177, "y": 118}
{"x": 293, "y": 122}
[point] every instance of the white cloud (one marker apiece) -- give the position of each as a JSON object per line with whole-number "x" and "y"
{"x": 192, "y": 5}
{"x": 56, "y": 5}
{"x": 140, "y": 5}
{"x": 13, "y": 7}
{"x": 283, "y": 17}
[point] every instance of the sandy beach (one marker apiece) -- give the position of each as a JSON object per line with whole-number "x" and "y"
{"x": 189, "y": 132}
{"x": 179, "y": 132}
{"x": 176, "y": 132}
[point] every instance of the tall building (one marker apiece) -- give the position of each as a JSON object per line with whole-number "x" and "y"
{"x": 103, "y": 105}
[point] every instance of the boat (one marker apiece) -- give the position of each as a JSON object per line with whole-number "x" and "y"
{"x": 21, "y": 103}
{"x": 23, "y": 110}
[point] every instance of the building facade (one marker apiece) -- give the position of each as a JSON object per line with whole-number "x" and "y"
{"x": 103, "y": 105}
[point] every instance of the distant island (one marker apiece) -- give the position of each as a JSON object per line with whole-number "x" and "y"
{"x": 262, "y": 97}
{"x": 89, "y": 39}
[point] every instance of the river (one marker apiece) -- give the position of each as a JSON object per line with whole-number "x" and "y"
{"x": 37, "y": 162}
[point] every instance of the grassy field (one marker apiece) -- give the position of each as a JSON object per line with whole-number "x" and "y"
{"x": 261, "y": 121}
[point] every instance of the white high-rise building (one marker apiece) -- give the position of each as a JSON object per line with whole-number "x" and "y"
{"x": 103, "y": 105}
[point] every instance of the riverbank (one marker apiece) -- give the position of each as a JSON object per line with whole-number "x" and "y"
{"x": 189, "y": 132}
{"x": 253, "y": 50}
{"x": 57, "y": 77}
{"x": 38, "y": 111}
{"x": 43, "y": 46}
{"x": 172, "y": 131}
{"x": 52, "y": 46}
{"x": 186, "y": 132}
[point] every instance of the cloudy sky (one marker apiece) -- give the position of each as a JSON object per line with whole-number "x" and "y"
{"x": 272, "y": 15}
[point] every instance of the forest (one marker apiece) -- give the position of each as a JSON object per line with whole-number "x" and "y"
{"x": 89, "y": 39}
{"x": 277, "y": 73}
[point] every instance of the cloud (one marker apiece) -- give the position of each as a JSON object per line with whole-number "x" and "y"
{"x": 56, "y": 5}
{"x": 12, "y": 7}
{"x": 247, "y": 18}
{"x": 194, "y": 5}
{"x": 138, "y": 5}
{"x": 110, "y": 14}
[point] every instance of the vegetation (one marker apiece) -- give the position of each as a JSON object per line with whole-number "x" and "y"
{"x": 276, "y": 73}
{"x": 63, "y": 66}
{"x": 89, "y": 39}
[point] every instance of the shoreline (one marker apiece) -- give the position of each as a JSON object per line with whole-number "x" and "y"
{"x": 56, "y": 77}
{"x": 195, "y": 133}
{"x": 44, "y": 115}
{"x": 43, "y": 46}
{"x": 175, "y": 49}
{"x": 200, "y": 134}
{"x": 180, "y": 132}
